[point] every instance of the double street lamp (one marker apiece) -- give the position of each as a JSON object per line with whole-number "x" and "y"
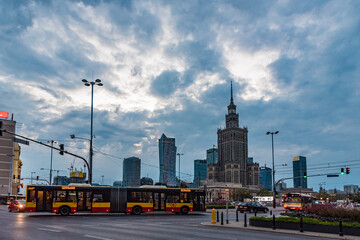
{"x": 273, "y": 166}
{"x": 87, "y": 83}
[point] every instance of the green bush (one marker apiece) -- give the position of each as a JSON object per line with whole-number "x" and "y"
{"x": 307, "y": 221}
{"x": 329, "y": 211}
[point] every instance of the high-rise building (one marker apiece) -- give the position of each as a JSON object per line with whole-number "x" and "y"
{"x": 250, "y": 160}
{"x": 146, "y": 181}
{"x": 200, "y": 172}
{"x": 212, "y": 155}
{"x": 233, "y": 150}
{"x": 351, "y": 189}
{"x": 10, "y": 163}
{"x": 131, "y": 172}
{"x": 266, "y": 178}
{"x": 299, "y": 169}
{"x": 167, "y": 160}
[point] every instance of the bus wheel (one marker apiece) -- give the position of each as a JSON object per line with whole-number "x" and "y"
{"x": 136, "y": 210}
{"x": 64, "y": 210}
{"x": 184, "y": 210}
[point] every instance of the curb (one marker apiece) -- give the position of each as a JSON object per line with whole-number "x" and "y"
{"x": 281, "y": 231}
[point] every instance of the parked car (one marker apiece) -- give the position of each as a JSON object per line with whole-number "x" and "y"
{"x": 17, "y": 205}
{"x": 252, "y": 207}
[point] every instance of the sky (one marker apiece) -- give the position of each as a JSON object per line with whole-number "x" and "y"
{"x": 166, "y": 67}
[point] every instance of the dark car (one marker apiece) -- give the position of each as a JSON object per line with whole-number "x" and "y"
{"x": 252, "y": 207}
{"x": 17, "y": 205}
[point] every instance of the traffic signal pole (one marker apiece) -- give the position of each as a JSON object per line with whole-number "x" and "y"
{"x": 315, "y": 175}
{"x": 52, "y": 147}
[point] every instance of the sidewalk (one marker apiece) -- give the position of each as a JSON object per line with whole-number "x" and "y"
{"x": 239, "y": 225}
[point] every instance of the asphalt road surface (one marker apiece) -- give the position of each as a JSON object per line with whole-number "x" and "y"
{"x": 44, "y": 226}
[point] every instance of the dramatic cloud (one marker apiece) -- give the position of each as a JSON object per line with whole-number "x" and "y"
{"x": 166, "y": 68}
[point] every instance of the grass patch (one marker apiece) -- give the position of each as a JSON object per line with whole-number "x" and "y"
{"x": 307, "y": 221}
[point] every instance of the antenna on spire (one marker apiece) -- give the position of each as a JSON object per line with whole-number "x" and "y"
{"x": 231, "y": 99}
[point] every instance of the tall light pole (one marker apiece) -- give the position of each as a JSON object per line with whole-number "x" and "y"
{"x": 273, "y": 166}
{"x": 51, "y": 159}
{"x": 32, "y": 177}
{"x": 86, "y": 83}
{"x": 179, "y": 154}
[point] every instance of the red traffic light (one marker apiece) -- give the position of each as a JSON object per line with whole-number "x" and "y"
{"x": 347, "y": 170}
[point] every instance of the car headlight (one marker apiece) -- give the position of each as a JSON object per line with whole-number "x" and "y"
{"x": 21, "y": 206}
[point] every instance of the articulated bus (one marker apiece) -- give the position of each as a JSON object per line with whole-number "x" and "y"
{"x": 97, "y": 199}
{"x": 297, "y": 201}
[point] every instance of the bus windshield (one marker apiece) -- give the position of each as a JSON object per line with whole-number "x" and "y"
{"x": 294, "y": 199}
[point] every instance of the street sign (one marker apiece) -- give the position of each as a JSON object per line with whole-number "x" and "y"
{"x": 332, "y": 175}
{"x": 18, "y": 140}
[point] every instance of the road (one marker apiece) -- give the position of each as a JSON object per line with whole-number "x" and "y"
{"x": 43, "y": 226}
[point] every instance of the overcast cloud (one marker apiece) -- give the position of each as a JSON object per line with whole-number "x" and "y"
{"x": 166, "y": 67}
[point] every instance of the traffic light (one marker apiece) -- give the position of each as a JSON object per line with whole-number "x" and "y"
{"x": 347, "y": 170}
{"x": 342, "y": 171}
{"x": 61, "y": 149}
{"x": 37, "y": 178}
{"x": 1, "y": 131}
{"x": 305, "y": 176}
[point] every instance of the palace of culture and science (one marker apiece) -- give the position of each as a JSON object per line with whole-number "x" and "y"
{"x": 233, "y": 165}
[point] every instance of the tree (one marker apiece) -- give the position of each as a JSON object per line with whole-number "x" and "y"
{"x": 264, "y": 192}
{"x": 241, "y": 194}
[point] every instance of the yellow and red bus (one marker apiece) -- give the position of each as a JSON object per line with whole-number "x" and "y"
{"x": 98, "y": 199}
{"x": 297, "y": 201}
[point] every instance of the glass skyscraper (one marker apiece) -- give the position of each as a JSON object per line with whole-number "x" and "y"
{"x": 167, "y": 160}
{"x": 299, "y": 168}
{"x": 200, "y": 172}
{"x": 131, "y": 172}
{"x": 266, "y": 178}
{"x": 212, "y": 155}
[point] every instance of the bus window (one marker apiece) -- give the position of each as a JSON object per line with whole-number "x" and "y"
{"x": 71, "y": 196}
{"x": 174, "y": 198}
{"x": 60, "y": 196}
{"x": 185, "y": 197}
{"x": 135, "y": 197}
{"x": 147, "y": 197}
{"x": 31, "y": 196}
{"x": 98, "y": 197}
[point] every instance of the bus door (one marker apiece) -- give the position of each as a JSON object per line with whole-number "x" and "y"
{"x": 196, "y": 201}
{"x": 48, "y": 200}
{"x": 159, "y": 201}
{"x": 83, "y": 201}
{"x": 40, "y": 201}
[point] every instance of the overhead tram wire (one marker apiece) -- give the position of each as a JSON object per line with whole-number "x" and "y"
{"x": 146, "y": 164}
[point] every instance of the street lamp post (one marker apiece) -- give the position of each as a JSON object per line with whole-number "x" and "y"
{"x": 87, "y": 83}
{"x": 179, "y": 154}
{"x": 51, "y": 159}
{"x": 273, "y": 166}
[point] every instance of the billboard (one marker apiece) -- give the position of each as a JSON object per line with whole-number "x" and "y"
{"x": 4, "y": 114}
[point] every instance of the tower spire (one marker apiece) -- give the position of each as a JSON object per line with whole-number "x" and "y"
{"x": 231, "y": 99}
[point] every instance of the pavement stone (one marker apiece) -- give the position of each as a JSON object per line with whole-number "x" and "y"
{"x": 284, "y": 231}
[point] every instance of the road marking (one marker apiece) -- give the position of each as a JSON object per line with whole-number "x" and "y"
{"x": 90, "y": 236}
{"x": 50, "y": 230}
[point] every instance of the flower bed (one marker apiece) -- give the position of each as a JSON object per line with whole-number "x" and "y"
{"x": 309, "y": 224}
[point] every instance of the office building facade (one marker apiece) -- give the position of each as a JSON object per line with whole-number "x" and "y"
{"x": 266, "y": 178}
{"x": 146, "y": 181}
{"x": 200, "y": 172}
{"x": 167, "y": 161}
{"x": 299, "y": 169}
{"x": 131, "y": 172}
{"x": 10, "y": 163}
{"x": 212, "y": 155}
